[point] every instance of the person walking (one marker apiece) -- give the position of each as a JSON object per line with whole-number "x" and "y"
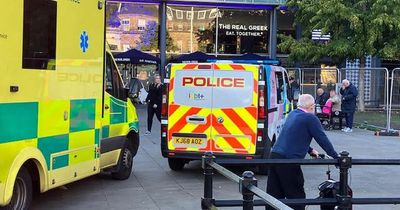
{"x": 301, "y": 126}
{"x": 349, "y": 98}
{"x": 153, "y": 100}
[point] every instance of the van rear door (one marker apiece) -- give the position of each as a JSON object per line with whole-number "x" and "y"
{"x": 189, "y": 109}
{"x": 234, "y": 108}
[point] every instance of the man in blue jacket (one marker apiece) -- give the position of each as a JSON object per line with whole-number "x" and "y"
{"x": 301, "y": 126}
{"x": 349, "y": 96}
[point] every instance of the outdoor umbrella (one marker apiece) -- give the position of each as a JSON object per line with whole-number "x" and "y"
{"x": 134, "y": 56}
{"x": 195, "y": 57}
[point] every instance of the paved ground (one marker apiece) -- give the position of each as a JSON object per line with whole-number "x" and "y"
{"x": 153, "y": 185}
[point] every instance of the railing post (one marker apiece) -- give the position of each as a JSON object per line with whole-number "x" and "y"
{"x": 247, "y": 180}
{"x": 344, "y": 198}
{"x": 207, "y": 201}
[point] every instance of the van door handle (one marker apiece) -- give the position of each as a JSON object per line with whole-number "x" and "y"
{"x": 196, "y": 119}
{"x": 106, "y": 106}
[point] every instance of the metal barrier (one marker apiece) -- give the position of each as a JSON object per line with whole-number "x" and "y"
{"x": 248, "y": 183}
{"x": 312, "y": 78}
{"x": 376, "y": 90}
{"x": 394, "y": 96}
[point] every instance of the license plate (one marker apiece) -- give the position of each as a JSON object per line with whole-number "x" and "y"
{"x": 188, "y": 141}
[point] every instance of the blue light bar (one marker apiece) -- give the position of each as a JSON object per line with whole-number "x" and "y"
{"x": 264, "y": 62}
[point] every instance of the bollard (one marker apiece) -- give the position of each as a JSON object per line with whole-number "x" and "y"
{"x": 344, "y": 198}
{"x": 247, "y": 180}
{"x": 207, "y": 201}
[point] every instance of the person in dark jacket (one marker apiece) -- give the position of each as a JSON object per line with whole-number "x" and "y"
{"x": 301, "y": 126}
{"x": 154, "y": 102}
{"x": 294, "y": 89}
{"x": 322, "y": 97}
{"x": 349, "y": 98}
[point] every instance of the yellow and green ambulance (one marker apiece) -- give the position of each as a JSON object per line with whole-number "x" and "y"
{"x": 64, "y": 113}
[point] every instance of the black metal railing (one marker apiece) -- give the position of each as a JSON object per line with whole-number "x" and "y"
{"x": 248, "y": 183}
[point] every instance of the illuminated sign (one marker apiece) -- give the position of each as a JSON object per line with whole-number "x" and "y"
{"x": 225, "y": 82}
{"x": 243, "y": 30}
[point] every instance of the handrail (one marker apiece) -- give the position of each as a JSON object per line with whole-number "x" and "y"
{"x": 248, "y": 183}
{"x": 308, "y": 161}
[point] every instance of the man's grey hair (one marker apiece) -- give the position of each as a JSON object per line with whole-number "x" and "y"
{"x": 305, "y": 101}
{"x": 346, "y": 81}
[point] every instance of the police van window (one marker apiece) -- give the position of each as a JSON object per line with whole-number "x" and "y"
{"x": 113, "y": 83}
{"x": 279, "y": 86}
{"x": 39, "y": 34}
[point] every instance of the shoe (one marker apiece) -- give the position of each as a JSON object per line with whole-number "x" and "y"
{"x": 349, "y": 130}
{"x": 147, "y": 133}
{"x": 345, "y": 129}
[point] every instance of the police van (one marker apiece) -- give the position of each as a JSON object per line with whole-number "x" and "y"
{"x": 64, "y": 113}
{"x": 233, "y": 110}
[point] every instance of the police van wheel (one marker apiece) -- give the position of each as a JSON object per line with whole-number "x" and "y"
{"x": 176, "y": 164}
{"x": 125, "y": 164}
{"x": 22, "y": 194}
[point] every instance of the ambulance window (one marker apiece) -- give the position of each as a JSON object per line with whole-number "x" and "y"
{"x": 113, "y": 83}
{"x": 279, "y": 86}
{"x": 39, "y": 34}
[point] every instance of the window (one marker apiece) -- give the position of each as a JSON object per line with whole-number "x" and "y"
{"x": 170, "y": 26}
{"x": 126, "y": 25}
{"x": 279, "y": 86}
{"x": 201, "y": 15}
{"x": 179, "y": 14}
{"x": 180, "y": 27}
{"x": 141, "y": 25}
{"x": 189, "y": 15}
{"x": 113, "y": 83}
{"x": 40, "y": 27}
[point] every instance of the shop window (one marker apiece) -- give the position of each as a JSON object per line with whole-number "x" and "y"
{"x": 39, "y": 34}
{"x": 141, "y": 25}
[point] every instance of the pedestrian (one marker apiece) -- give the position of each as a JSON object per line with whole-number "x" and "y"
{"x": 153, "y": 100}
{"x": 301, "y": 126}
{"x": 294, "y": 89}
{"x": 349, "y": 98}
{"x": 322, "y": 97}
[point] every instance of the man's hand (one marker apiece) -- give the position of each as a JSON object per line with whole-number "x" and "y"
{"x": 155, "y": 106}
{"x": 314, "y": 153}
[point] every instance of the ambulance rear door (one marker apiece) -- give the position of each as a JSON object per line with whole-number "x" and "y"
{"x": 189, "y": 108}
{"x": 234, "y": 108}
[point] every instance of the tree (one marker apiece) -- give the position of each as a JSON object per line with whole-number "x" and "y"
{"x": 148, "y": 40}
{"x": 357, "y": 28}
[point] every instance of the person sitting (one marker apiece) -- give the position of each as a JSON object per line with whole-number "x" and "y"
{"x": 322, "y": 97}
{"x": 332, "y": 109}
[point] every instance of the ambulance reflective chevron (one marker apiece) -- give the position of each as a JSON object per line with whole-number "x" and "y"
{"x": 217, "y": 107}
{"x": 64, "y": 113}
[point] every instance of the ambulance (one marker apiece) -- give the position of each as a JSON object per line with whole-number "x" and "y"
{"x": 64, "y": 113}
{"x": 234, "y": 110}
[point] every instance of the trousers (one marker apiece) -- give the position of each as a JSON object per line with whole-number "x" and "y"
{"x": 150, "y": 114}
{"x": 285, "y": 181}
{"x": 349, "y": 119}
